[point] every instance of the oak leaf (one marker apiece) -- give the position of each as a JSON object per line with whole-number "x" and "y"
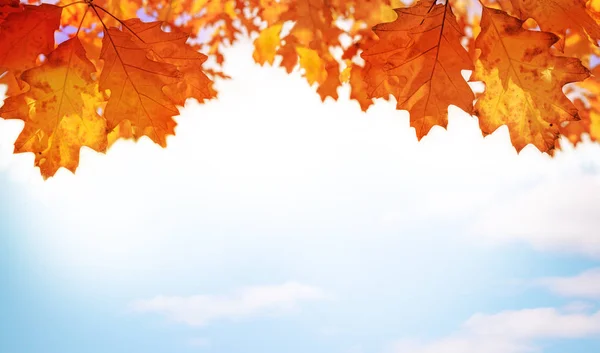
{"x": 313, "y": 65}
{"x": 266, "y": 45}
{"x": 137, "y": 74}
{"x": 588, "y": 105}
{"x": 172, "y": 48}
{"x": 136, "y": 81}
{"x": 9, "y": 6}
{"x": 24, "y": 35}
{"x": 523, "y": 82}
{"x": 358, "y": 86}
{"x": 59, "y": 110}
{"x": 558, "y": 16}
{"x": 418, "y": 59}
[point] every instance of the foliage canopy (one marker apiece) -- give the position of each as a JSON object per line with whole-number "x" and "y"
{"x": 87, "y": 73}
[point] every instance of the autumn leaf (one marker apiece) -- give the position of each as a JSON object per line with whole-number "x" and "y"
{"x": 212, "y": 24}
{"x": 315, "y": 33}
{"x": 358, "y": 87}
{"x": 312, "y": 64}
{"x": 136, "y": 74}
{"x": 588, "y": 124}
{"x": 579, "y": 46}
{"x": 136, "y": 82}
{"x": 24, "y": 35}
{"x": 588, "y": 105}
{"x": 418, "y": 59}
{"x": 523, "y": 82}
{"x": 171, "y": 48}
{"x": 558, "y": 16}
{"x": 307, "y": 43}
{"x": 59, "y": 110}
{"x": 265, "y": 46}
{"x": 9, "y": 6}
{"x": 328, "y": 88}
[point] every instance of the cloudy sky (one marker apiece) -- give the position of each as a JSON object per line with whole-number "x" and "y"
{"x": 275, "y": 223}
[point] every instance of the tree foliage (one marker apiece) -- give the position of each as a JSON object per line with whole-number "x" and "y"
{"x": 87, "y": 73}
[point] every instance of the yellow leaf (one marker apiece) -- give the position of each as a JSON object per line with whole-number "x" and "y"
{"x": 265, "y": 46}
{"x": 312, "y": 64}
{"x": 59, "y": 110}
{"x": 523, "y": 82}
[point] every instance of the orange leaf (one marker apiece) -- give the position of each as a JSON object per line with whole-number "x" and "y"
{"x": 59, "y": 110}
{"x": 419, "y": 60}
{"x": 171, "y": 48}
{"x": 523, "y": 82}
{"x": 26, "y": 34}
{"x": 589, "y": 112}
{"x": 328, "y": 88}
{"x": 136, "y": 82}
{"x": 9, "y": 6}
{"x": 558, "y": 16}
{"x": 358, "y": 89}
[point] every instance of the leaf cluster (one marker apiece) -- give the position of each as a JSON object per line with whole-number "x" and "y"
{"x": 90, "y": 72}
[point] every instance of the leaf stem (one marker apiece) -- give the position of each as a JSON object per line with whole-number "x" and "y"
{"x": 106, "y": 33}
{"x": 81, "y": 23}
{"x": 433, "y": 3}
{"x": 117, "y": 19}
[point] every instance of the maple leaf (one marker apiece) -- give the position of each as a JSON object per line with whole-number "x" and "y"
{"x": 523, "y": 82}
{"x": 59, "y": 110}
{"x": 419, "y": 60}
{"x": 24, "y": 35}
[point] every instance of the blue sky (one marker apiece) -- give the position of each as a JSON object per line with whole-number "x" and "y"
{"x": 277, "y": 223}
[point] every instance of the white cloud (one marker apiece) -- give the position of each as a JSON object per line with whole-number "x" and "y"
{"x": 248, "y": 302}
{"x": 584, "y": 285}
{"x": 530, "y": 324}
{"x": 271, "y": 176}
{"x": 559, "y": 214}
{"x": 578, "y": 307}
{"x": 509, "y": 332}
